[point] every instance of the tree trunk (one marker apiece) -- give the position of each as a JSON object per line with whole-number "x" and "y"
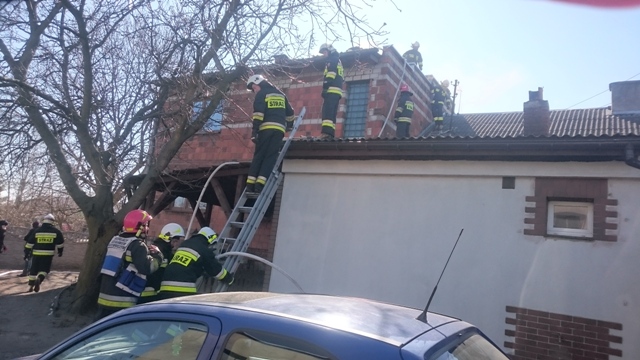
{"x": 102, "y": 227}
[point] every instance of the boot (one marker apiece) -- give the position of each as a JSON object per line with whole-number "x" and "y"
{"x": 36, "y": 287}
{"x": 258, "y": 188}
{"x": 30, "y": 288}
{"x": 251, "y": 188}
{"x": 324, "y": 136}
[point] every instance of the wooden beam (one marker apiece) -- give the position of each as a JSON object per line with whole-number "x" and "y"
{"x": 165, "y": 199}
{"x": 222, "y": 198}
{"x": 201, "y": 220}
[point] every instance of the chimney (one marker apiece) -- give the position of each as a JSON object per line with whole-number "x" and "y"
{"x": 281, "y": 59}
{"x": 625, "y": 97}
{"x": 537, "y": 118}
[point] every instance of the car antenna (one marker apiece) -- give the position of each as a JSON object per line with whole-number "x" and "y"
{"x": 423, "y": 316}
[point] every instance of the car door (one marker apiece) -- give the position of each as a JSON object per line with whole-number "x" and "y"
{"x": 143, "y": 336}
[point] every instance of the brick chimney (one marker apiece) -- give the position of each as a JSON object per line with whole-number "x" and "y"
{"x": 625, "y": 97}
{"x": 537, "y": 118}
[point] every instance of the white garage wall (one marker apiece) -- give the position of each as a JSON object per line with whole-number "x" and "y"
{"x": 384, "y": 229}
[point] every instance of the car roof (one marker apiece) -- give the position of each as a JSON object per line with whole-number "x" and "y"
{"x": 386, "y": 322}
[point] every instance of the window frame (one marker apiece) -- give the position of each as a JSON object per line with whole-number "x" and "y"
{"x": 197, "y": 107}
{"x": 569, "y": 232}
{"x": 349, "y": 98}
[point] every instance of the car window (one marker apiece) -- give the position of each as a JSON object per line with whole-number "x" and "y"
{"x": 475, "y": 347}
{"x": 242, "y": 346}
{"x": 143, "y": 340}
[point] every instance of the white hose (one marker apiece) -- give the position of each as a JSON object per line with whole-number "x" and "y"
{"x": 204, "y": 188}
{"x": 404, "y": 68}
{"x": 264, "y": 261}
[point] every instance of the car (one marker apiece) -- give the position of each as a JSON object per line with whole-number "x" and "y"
{"x": 264, "y": 325}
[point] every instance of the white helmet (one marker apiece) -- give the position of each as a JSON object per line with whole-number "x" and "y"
{"x": 255, "y": 79}
{"x": 326, "y": 46}
{"x": 170, "y": 231}
{"x": 415, "y": 45}
{"x": 48, "y": 219}
{"x": 445, "y": 83}
{"x": 209, "y": 234}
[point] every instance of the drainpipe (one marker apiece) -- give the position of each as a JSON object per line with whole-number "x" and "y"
{"x": 630, "y": 157}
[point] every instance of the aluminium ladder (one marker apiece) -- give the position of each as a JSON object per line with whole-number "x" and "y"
{"x": 245, "y": 220}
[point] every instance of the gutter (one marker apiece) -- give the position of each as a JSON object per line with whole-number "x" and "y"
{"x": 630, "y": 157}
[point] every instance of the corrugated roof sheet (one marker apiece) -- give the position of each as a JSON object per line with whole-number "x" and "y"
{"x": 564, "y": 123}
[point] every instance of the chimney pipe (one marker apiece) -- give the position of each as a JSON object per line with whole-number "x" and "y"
{"x": 537, "y": 118}
{"x": 625, "y": 97}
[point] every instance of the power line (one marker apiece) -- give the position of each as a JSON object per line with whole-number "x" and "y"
{"x": 598, "y": 94}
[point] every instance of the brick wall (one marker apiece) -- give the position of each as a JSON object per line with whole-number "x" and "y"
{"x": 544, "y": 335}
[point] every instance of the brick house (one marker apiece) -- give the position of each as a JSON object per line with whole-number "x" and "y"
{"x": 372, "y": 78}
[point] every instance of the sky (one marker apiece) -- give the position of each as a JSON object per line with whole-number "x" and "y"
{"x": 499, "y": 50}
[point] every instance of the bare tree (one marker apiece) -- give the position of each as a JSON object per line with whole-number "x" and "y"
{"x": 89, "y": 79}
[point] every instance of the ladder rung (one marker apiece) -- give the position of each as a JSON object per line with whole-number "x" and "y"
{"x": 252, "y": 195}
{"x": 236, "y": 224}
{"x": 227, "y": 240}
{"x": 245, "y": 209}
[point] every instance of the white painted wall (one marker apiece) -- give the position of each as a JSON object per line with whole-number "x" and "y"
{"x": 384, "y": 229}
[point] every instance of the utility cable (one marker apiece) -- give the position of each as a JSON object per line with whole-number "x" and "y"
{"x": 598, "y": 94}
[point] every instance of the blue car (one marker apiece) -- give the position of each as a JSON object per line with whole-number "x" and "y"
{"x": 261, "y": 326}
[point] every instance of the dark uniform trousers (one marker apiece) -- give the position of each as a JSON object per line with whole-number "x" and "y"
{"x": 266, "y": 154}
{"x": 438, "y": 112}
{"x": 40, "y": 268}
{"x": 329, "y": 113}
{"x": 402, "y": 129}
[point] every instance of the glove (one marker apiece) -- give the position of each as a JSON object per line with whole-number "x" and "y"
{"x": 254, "y": 138}
{"x": 324, "y": 93}
{"x": 27, "y": 254}
{"x": 60, "y": 251}
{"x": 226, "y": 277}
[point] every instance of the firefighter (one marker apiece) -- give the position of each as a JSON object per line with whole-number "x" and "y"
{"x": 170, "y": 238}
{"x": 3, "y": 229}
{"x": 42, "y": 246}
{"x": 413, "y": 56}
{"x": 127, "y": 264}
{"x": 331, "y": 90}
{"x": 193, "y": 258}
{"x": 272, "y": 117}
{"x": 27, "y": 253}
{"x": 404, "y": 112}
{"x": 438, "y": 97}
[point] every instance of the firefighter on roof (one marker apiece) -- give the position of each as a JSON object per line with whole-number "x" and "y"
{"x": 272, "y": 117}
{"x": 42, "y": 246}
{"x": 170, "y": 238}
{"x": 127, "y": 264}
{"x": 438, "y": 97}
{"x": 331, "y": 90}
{"x": 404, "y": 112}
{"x": 193, "y": 258}
{"x": 413, "y": 56}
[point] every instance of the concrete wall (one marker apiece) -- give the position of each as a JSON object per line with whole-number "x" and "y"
{"x": 384, "y": 229}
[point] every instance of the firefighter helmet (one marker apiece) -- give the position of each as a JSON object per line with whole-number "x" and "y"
{"x": 404, "y": 87}
{"x": 326, "y": 46}
{"x": 445, "y": 83}
{"x": 415, "y": 45}
{"x": 48, "y": 219}
{"x": 170, "y": 231}
{"x": 209, "y": 234}
{"x": 136, "y": 222}
{"x": 255, "y": 79}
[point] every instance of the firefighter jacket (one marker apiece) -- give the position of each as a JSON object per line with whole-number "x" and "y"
{"x": 404, "y": 111}
{"x": 124, "y": 272}
{"x": 437, "y": 95}
{"x": 191, "y": 259}
{"x": 413, "y": 56}
{"x": 333, "y": 75}
{"x": 155, "y": 278}
{"x": 45, "y": 241}
{"x": 271, "y": 110}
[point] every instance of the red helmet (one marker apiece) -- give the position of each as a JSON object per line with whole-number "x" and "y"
{"x": 404, "y": 87}
{"x": 136, "y": 221}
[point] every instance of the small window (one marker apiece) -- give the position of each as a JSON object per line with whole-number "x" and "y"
{"x": 214, "y": 123}
{"x": 568, "y": 218}
{"x": 179, "y": 202}
{"x": 262, "y": 346}
{"x": 357, "y": 107}
{"x": 158, "y": 340}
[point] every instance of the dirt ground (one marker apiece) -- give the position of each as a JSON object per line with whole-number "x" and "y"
{"x": 27, "y": 323}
